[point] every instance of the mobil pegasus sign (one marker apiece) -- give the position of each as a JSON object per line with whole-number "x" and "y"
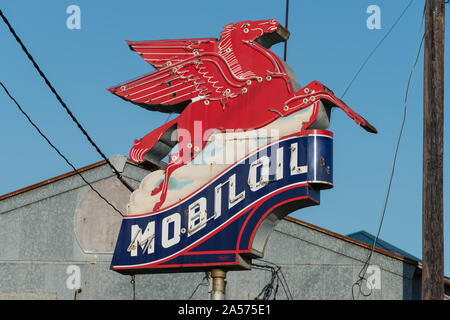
{"x": 229, "y": 220}
{"x": 252, "y": 146}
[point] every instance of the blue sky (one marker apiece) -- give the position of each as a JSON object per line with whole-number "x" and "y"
{"x": 329, "y": 41}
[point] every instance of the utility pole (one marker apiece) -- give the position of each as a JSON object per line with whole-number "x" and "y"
{"x": 433, "y": 152}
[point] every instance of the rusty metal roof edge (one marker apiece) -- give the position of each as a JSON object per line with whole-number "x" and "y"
{"x": 54, "y": 179}
{"x": 356, "y": 242}
{"x": 57, "y": 178}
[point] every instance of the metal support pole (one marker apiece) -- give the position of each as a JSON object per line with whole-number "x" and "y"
{"x": 433, "y": 153}
{"x": 218, "y": 284}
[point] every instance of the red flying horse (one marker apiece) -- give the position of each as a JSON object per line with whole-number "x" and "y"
{"x": 235, "y": 82}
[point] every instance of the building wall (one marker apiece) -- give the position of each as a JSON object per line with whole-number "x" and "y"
{"x": 48, "y": 230}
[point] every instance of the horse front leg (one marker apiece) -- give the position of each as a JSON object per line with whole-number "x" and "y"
{"x": 175, "y": 162}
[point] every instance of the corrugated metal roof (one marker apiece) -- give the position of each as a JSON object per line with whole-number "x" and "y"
{"x": 60, "y": 177}
{"x": 48, "y": 181}
{"x": 368, "y": 238}
{"x": 391, "y": 254}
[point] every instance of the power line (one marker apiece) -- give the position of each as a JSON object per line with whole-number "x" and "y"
{"x": 375, "y": 49}
{"x": 63, "y": 104}
{"x": 286, "y": 26}
{"x": 56, "y": 149}
{"x": 363, "y": 271}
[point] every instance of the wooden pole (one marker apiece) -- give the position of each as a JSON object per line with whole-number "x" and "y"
{"x": 433, "y": 151}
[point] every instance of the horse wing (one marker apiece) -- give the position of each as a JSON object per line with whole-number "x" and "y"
{"x": 163, "y": 53}
{"x": 204, "y": 76}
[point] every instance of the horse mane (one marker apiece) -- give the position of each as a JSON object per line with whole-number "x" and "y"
{"x": 230, "y": 57}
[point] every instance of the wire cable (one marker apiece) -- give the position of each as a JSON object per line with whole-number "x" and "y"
{"x": 77, "y": 292}
{"x": 276, "y": 270}
{"x": 375, "y": 49}
{"x": 56, "y": 149}
{"x": 282, "y": 276}
{"x": 133, "y": 285}
{"x": 286, "y": 26}
{"x": 63, "y": 104}
{"x": 202, "y": 283}
{"x": 267, "y": 290}
{"x": 363, "y": 271}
